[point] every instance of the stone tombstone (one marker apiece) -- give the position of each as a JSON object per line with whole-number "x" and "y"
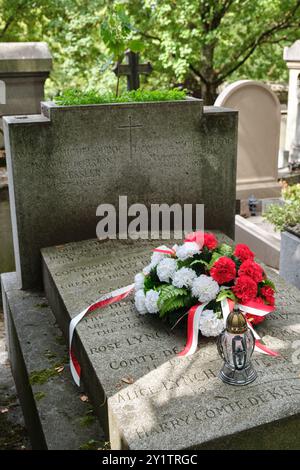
{"x": 147, "y": 397}
{"x": 78, "y": 157}
{"x": 24, "y": 68}
{"x": 292, "y": 141}
{"x": 2, "y": 92}
{"x": 258, "y": 137}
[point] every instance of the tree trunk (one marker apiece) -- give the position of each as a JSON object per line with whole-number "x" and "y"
{"x": 209, "y": 93}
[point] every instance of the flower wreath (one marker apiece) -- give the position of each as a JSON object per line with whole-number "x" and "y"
{"x": 202, "y": 271}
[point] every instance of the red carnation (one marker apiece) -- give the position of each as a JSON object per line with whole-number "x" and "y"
{"x": 223, "y": 270}
{"x": 210, "y": 241}
{"x": 268, "y": 293}
{"x": 251, "y": 269}
{"x": 243, "y": 252}
{"x": 245, "y": 288}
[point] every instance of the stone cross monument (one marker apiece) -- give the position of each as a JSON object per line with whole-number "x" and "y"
{"x": 132, "y": 70}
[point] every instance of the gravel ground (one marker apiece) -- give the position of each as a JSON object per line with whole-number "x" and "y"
{"x": 13, "y": 434}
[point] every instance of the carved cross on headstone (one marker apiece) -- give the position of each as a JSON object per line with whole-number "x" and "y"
{"x": 132, "y": 70}
{"x": 130, "y": 126}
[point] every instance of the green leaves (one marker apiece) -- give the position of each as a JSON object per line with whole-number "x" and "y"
{"x": 225, "y": 250}
{"x": 214, "y": 258}
{"x": 136, "y": 45}
{"x": 226, "y": 294}
{"x": 75, "y": 96}
{"x": 269, "y": 283}
{"x": 199, "y": 261}
{"x": 172, "y": 298}
{"x": 118, "y": 33}
{"x": 287, "y": 214}
{"x": 184, "y": 39}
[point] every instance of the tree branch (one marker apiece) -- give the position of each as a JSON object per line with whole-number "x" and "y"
{"x": 13, "y": 17}
{"x": 149, "y": 36}
{"x": 198, "y": 74}
{"x": 263, "y": 38}
{"x": 9, "y": 21}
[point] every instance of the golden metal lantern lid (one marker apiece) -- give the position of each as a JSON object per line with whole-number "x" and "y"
{"x": 236, "y": 322}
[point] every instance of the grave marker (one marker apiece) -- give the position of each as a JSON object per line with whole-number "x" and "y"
{"x": 78, "y": 157}
{"x": 258, "y": 137}
{"x": 132, "y": 70}
{"x": 148, "y": 397}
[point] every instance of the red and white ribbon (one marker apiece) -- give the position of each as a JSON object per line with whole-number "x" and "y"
{"x": 259, "y": 310}
{"x": 165, "y": 251}
{"x": 192, "y": 326}
{"x": 252, "y": 307}
{"x": 192, "y": 330}
{"x": 104, "y": 301}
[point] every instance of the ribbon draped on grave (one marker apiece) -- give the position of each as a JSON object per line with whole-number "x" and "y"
{"x": 254, "y": 310}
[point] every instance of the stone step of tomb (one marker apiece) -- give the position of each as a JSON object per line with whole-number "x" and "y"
{"x": 57, "y": 415}
{"x": 145, "y": 396}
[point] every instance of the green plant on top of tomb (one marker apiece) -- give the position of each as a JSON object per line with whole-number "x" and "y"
{"x": 75, "y": 96}
{"x": 288, "y": 214}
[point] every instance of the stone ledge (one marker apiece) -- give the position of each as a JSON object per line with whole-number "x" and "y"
{"x": 266, "y": 245}
{"x": 55, "y": 416}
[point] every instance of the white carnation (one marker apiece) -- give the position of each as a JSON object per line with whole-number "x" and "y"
{"x": 166, "y": 269}
{"x": 187, "y": 250}
{"x": 209, "y": 324}
{"x": 147, "y": 269}
{"x": 155, "y": 259}
{"x": 205, "y": 288}
{"x": 184, "y": 277}
{"x": 139, "y": 281}
{"x": 139, "y": 300}
{"x": 151, "y": 301}
{"x": 157, "y": 256}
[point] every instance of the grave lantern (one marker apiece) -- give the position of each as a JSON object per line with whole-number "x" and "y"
{"x": 252, "y": 203}
{"x": 235, "y": 346}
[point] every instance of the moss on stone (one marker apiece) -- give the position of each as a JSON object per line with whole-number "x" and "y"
{"x": 12, "y": 436}
{"x": 60, "y": 340}
{"x": 42, "y": 376}
{"x": 87, "y": 420}
{"x": 95, "y": 445}
{"x": 42, "y": 305}
{"x": 39, "y": 396}
{"x": 50, "y": 355}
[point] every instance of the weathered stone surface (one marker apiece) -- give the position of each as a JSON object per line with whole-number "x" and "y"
{"x": 151, "y": 398}
{"x": 261, "y": 238}
{"x": 6, "y": 243}
{"x": 289, "y": 267}
{"x": 24, "y": 57}
{"x": 24, "y": 68}
{"x": 55, "y": 416}
{"x": 82, "y": 156}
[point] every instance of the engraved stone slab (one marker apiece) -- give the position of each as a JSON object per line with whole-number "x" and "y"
{"x": 146, "y": 396}
{"x": 78, "y": 157}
